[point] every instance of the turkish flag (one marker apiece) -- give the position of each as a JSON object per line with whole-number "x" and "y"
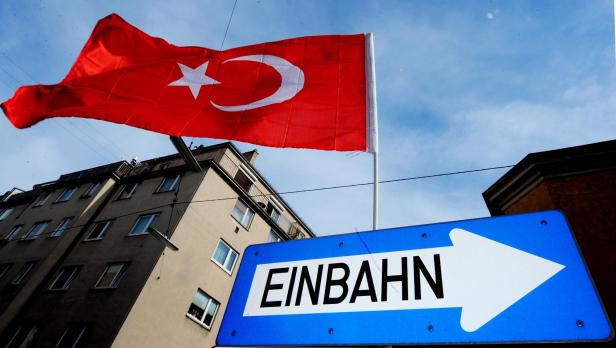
{"x": 308, "y": 92}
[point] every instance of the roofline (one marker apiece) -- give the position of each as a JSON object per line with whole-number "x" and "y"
{"x": 536, "y": 167}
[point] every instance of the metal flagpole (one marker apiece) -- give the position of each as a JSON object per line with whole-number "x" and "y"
{"x": 375, "y": 198}
{"x": 372, "y": 124}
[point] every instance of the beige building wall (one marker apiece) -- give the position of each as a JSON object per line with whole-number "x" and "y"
{"x": 158, "y": 317}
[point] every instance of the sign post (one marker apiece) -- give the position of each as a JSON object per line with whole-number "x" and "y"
{"x": 516, "y": 278}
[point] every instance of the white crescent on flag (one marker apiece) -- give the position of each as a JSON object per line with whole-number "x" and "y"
{"x": 292, "y": 82}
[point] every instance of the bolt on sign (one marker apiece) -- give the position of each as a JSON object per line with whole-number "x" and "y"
{"x": 516, "y": 278}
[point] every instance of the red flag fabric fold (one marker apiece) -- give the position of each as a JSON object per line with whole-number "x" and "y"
{"x": 307, "y": 92}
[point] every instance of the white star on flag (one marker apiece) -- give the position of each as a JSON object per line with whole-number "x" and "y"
{"x": 194, "y": 78}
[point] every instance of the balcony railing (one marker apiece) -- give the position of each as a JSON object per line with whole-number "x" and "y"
{"x": 232, "y": 167}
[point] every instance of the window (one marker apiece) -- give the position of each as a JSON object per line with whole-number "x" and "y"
{"x": 62, "y": 226}
{"x": 67, "y": 194}
{"x": 23, "y": 272}
{"x": 143, "y": 223}
{"x": 203, "y": 309}
{"x": 91, "y": 190}
{"x": 5, "y": 213}
{"x": 13, "y": 233}
{"x": 99, "y": 231}
{"x": 224, "y": 256}
{"x": 242, "y": 214}
{"x": 65, "y": 277}
{"x": 112, "y": 276}
{"x": 300, "y": 235}
{"x": 23, "y": 336}
{"x": 128, "y": 190}
{"x": 169, "y": 183}
{"x": 4, "y": 268}
{"x": 272, "y": 211}
{"x": 244, "y": 178}
{"x": 36, "y": 230}
{"x": 273, "y": 237}
{"x": 43, "y": 199}
{"x": 71, "y": 336}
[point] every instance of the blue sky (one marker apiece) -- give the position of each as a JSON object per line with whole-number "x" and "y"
{"x": 461, "y": 85}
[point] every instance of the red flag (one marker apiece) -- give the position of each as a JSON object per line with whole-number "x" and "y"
{"x": 307, "y": 92}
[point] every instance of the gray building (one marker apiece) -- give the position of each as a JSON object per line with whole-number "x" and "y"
{"x": 80, "y": 264}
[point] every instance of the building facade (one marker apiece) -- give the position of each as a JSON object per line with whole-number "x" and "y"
{"x": 80, "y": 266}
{"x": 581, "y": 182}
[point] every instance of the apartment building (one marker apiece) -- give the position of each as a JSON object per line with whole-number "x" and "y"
{"x": 82, "y": 264}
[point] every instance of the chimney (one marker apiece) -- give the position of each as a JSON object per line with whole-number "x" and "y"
{"x": 251, "y": 156}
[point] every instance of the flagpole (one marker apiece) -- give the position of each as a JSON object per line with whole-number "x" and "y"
{"x": 372, "y": 131}
{"x": 375, "y": 198}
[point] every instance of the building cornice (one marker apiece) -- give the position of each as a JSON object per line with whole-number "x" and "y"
{"x": 537, "y": 167}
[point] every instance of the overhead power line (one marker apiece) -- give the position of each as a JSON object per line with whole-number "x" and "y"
{"x": 325, "y": 188}
{"x": 222, "y": 44}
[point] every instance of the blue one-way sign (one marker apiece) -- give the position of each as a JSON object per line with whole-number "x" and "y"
{"x": 515, "y": 278}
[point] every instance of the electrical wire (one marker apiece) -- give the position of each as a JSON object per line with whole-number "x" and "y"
{"x": 325, "y": 188}
{"x": 222, "y": 44}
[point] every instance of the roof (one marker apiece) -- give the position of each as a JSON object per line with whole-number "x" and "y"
{"x": 124, "y": 169}
{"x": 536, "y": 167}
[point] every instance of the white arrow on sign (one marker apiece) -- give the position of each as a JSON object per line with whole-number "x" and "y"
{"x": 482, "y": 276}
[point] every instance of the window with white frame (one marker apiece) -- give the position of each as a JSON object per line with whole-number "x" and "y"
{"x": 62, "y": 226}
{"x": 112, "y": 275}
{"x": 36, "y": 230}
{"x": 13, "y": 232}
{"x": 23, "y": 273}
{"x": 242, "y": 213}
{"x": 244, "y": 178}
{"x": 4, "y": 268}
{"x": 67, "y": 194}
{"x": 99, "y": 230}
{"x": 224, "y": 256}
{"x": 64, "y": 278}
{"x": 272, "y": 211}
{"x": 143, "y": 223}
{"x": 43, "y": 199}
{"x": 169, "y": 183}
{"x": 71, "y": 336}
{"x": 91, "y": 190}
{"x": 128, "y": 190}
{"x": 4, "y": 213}
{"x": 273, "y": 237}
{"x": 203, "y": 309}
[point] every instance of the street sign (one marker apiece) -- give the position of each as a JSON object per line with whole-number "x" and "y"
{"x": 517, "y": 278}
